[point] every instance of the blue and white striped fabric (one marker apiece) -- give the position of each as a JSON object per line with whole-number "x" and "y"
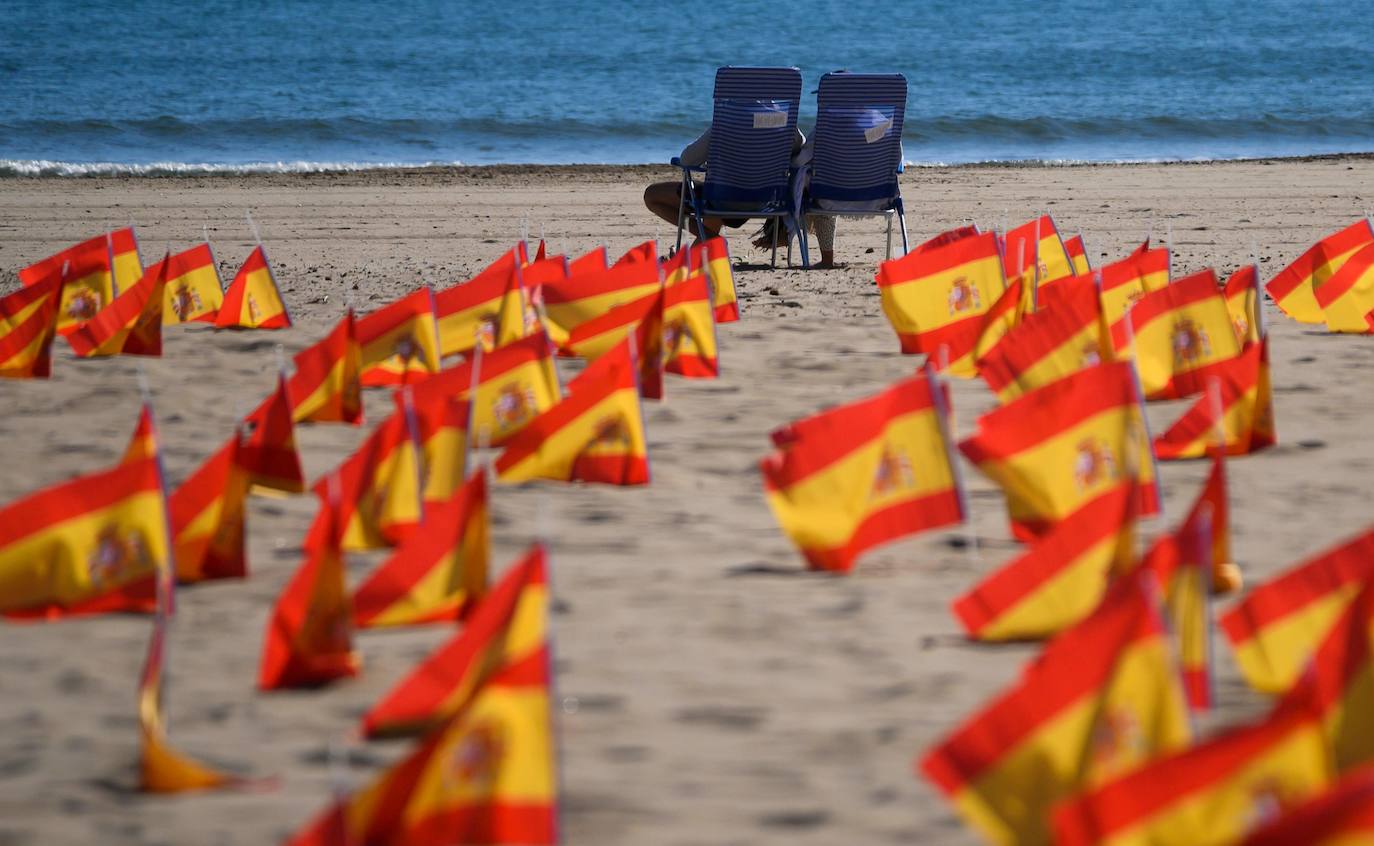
{"x": 752, "y": 127}
{"x": 858, "y": 143}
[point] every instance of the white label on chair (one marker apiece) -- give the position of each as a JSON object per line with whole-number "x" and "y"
{"x": 770, "y": 120}
{"x": 877, "y": 133}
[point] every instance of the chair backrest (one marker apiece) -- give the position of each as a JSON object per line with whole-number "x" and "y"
{"x": 858, "y": 144}
{"x": 752, "y": 126}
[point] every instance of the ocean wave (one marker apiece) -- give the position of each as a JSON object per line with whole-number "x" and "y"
{"x": 42, "y": 167}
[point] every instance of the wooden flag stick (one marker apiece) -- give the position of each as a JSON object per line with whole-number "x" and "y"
{"x": 945, "y": 417}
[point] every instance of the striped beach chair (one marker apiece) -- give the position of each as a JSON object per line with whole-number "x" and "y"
{"x": 753, "y": 122}
{"x": 857, "y": 152}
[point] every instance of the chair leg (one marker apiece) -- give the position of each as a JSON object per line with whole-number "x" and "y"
{"x": 774, "y": 260}
{"x": 681, "y": 213}
{"x": 901, "y": 217}
{"x": 805, "y": 247}
{"x": 889, "y": 234}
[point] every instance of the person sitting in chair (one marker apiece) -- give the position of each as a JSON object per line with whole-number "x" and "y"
{"x": 665, "y": 198}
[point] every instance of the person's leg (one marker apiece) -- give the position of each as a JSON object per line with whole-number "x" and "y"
{"x": 824, "y": 227}
{"x": 664, "y": 199}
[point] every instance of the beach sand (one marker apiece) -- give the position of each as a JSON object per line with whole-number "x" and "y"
{"x": 712, "y": 692}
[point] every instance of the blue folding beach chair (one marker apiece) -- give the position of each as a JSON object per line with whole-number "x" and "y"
{"x": 753, "y": 122}
{"x": 857, "y": 152}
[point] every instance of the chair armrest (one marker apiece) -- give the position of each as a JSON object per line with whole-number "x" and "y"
{"x": 675, "y": 161}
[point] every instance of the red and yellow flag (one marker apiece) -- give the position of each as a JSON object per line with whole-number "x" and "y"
{"x": 1006, "y": 314}
{"x": 946, "y": 237}
{"x": 715, "y": 257}
{"x": 326, "y": 387}
{"x": 1057, "y": 447}
{"x": 855, "y": 477}
{"x": 1294, "y": 290}
{"x": 592, "y": 260}
{"x": 439, "y": 572}
{"x": 641, "y": 321}
{"x": 417, "y": 456}
{"x": 130, "y": 325}
{"x": 1037, "y": 244}
{"x": 1061, "y": 579}
{"x": 91, "y": 545}
{"x": 1341, "y": 816}
{"x": 489, "y": 309}
{"x": 193, "y": 292}
{"x": 1182, "y": 566}
{"x": 594, "y": 434}
{"x": 487, "y": 775}
{"x": 92, "y": 272}
{"x": 1212, "y": 793}
{"x": 647, "y": 251}
{"x": 309, "y": 637}
{"x": 1078, "y": 255}
{"x": 1179, "y": 336}
{"x": 508, "y": 627}
{"x": 936, "y": 299}
{"x": 1339, "y": 683}
{"x": 1125, "y": 282}
{"x": 268, "y": 455}
{"x": 1244, "y": 302}
{"x": 689, "y": 329}
{"x": 1049, "y": 344}
{"x": 1247, "y": 411}
{"x": 400, "y": 341}
{"x": 1277, "y": 627}
{"x": 28, "y": 323}
{"x": 1347, "y": 298}
{"x": 514, "y": 384}
{"x": 253, "y": 300}
{"x": 1101, "y": 699}
{"x": 572, "y": 302}
{"x": 207, "y": 514}
{"x": 162, "y": 769}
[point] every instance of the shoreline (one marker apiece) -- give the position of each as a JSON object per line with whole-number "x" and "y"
{"x": 343, "y": 171}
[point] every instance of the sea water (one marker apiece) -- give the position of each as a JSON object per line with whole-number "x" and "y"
{"x": 157, "y": 86}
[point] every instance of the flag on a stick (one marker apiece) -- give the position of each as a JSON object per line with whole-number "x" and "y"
{"x": 1294, "y": 290}
{"x": 130, "y": 325}
{"x": 253, "y": 300}
{"x": 268, "y": 453}
{"x": 1179, "y": 336}
{"x": 399, "y": 341}
{"x": 1244, "y": 300}
{"x": 1347, "y": 297}
{"x": 207, "y": 514}
{"x": 1049, "y": 344}
{"x": 488, "y": 309}
{"x": 192, "y": 292}
{"x": 28, "y": 323}
{"x": 1247, "y": 411}
{"x": 326, "y": 387}
{"x": 92, "y": 273}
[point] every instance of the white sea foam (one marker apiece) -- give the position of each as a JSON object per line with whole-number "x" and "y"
{"x": 44, "y": 167}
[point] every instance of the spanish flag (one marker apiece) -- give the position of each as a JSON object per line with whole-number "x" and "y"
{"x": 592, "y": 260}
{"x": 1049, "y": 344}
{"x": 1212, "y": 793}
{"x": 400, "y": 341}
{"x": 647, "y": 251}
{"x": 1347, "y": 298}
{"x": 1179, "y": 336}
{"x": 487, "y": 775}
{"x": 1057, "y": 447}
{"x": 1341, "y": 816}
{"x": 130, "y": 325}
{"x": 415, "y": 457}
{"x": 1125, "y": 282}
{"x": 508, "y": 627}
{"x": 1294, "y": 290}
{"x": 1244, "y": 303}
{"x": 581, "y": 298}
{"x": 1078, "y": 255}
{"x": 1060, "y": 579}
{"x": 162, "y": 769}
{"x": 1101, "y": 699}
{"x": 1182, "y": 566}
{"x": 28, "y": 323}
{"x": 1247, "y": 411}
{"x": 1277, "y": 627}
{"x": 193, "y": 292}
{"x": 514, "y": 384}
{"x": 946, "y": 237}
{"x": 715, "y": 257}
{"x": 439, "y": 572}
{"x": 689, "y": 329}
{"x": 594, "y": 434}
{"x": 91, "y": 545}
{"x": 937, "y": 298}
{"x": 269, "y": 454}
{"x": 1044, "y": 252}
{"x": 1211, "y": 504}
{"x": 143, "y": 442}
{"x": 1006, "y": 314}
{"x": 874, "y": 471}
{"x": 326, "y": 387}
{"x": 253, "y": 300}
{"x": 488, "y": 309}
{"x": 309, "y": 639}
{"x": 207, "y": 514}
{"x": 540, "y": 254}
{"x": 1340, "y": 682}
{"x": 641, "y": 320}
{"x": 92, "y": 272}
